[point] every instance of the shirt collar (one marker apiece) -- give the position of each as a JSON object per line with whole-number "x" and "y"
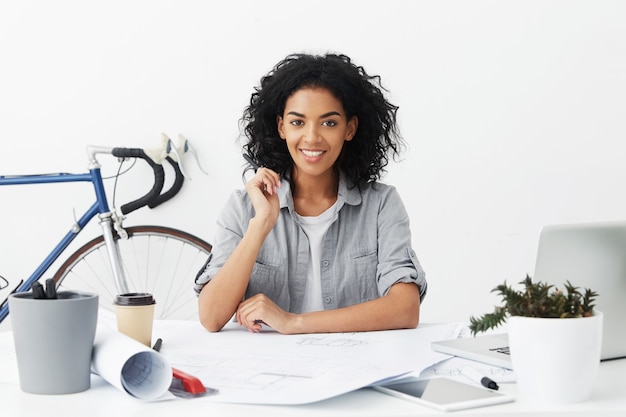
{"x": 351, "y": 196}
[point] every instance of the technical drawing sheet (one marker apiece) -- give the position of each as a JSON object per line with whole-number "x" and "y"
{"x": 271, "y": 368}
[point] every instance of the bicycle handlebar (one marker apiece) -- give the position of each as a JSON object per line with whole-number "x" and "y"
{"x": 154, "y": 157}
{"x": 174, "y": 189}
{"x": 159, "y": 178}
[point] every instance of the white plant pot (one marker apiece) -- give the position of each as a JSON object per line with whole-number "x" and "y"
{"x": 555, "y": 360}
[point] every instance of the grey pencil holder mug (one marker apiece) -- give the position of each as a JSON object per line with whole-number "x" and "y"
{"x": 54, "y": 341}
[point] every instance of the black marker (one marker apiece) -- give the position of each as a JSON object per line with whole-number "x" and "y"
{"x": 51, "y": 291}
{"x": 251, "y": 162}
{"x": 157, "y": 344}
{"x": 474, "y": 375}
{"x": 38, "y": 292}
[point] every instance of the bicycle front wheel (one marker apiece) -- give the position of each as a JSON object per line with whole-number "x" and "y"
{"x": 159, "y": 260}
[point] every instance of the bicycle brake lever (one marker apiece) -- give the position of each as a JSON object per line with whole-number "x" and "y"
{"x": 186, "y": 146}
{"x": 167, "y": 149}
{"x": 159, "y": 154}
{"x": 170, "y": 148}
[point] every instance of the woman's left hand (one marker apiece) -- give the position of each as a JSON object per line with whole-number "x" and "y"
{"x": 258, "y": 310}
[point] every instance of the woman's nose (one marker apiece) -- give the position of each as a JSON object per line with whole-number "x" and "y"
{"x": 312, "y": 133}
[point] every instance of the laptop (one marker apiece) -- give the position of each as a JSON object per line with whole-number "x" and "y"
{"x": 589, "y": 255}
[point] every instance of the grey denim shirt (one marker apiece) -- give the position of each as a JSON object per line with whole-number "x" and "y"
{"x": 366, "y": 249}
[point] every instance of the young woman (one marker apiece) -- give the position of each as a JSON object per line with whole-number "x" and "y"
{"x": 315, "y": 243}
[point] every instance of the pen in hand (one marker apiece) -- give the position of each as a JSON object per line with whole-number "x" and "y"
{"x": 474, "y": 375}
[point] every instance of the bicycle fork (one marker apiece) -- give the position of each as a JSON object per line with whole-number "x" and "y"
{"x": 113, "y": 252}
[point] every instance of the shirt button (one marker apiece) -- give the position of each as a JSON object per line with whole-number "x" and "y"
{"x": 327, "y": 300}
{"x": 325, "y": 263}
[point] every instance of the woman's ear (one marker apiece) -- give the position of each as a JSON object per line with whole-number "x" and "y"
{"x": 279, "y": 124}
{"x": 353, "y": 124}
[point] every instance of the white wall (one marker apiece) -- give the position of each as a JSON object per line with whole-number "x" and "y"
{"x": 514, "y": 112}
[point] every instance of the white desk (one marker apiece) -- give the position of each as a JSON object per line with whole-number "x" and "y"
{"x": 102, "y": 399}
{"x": 608, "y": 399}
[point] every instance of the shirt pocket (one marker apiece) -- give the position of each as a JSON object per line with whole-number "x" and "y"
{"x": 266, "y": 278}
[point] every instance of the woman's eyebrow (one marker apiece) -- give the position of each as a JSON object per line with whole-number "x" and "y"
{"x": 330, "y": 113}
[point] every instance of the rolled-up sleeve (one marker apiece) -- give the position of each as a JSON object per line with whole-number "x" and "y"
{"x": 397, "y": 261}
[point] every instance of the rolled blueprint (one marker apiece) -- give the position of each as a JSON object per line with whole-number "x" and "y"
{"x": 129, "y": 365}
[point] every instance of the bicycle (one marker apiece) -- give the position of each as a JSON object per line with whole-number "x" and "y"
{"x": 156, "y": 259}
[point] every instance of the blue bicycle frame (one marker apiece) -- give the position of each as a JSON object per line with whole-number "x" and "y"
{"x": 100, "y": 207}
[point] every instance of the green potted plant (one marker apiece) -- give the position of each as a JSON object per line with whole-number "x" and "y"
{"x": 537, "y": 299}
{"x": 555, "y": 339}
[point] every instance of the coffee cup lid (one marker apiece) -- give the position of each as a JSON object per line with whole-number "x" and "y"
{"x": 134, "y": 299}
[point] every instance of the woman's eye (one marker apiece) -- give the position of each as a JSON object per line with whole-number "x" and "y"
{"x": 297, "y": 122}
{"x": 329, "y": 123}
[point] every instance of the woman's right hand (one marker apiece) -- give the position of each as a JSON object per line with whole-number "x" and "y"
{"x": 262, "y": 189}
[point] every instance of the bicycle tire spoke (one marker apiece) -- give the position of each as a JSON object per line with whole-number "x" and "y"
{"x": 155, "y": 259}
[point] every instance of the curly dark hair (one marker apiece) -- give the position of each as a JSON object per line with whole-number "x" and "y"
{"x": 364, "y": 158}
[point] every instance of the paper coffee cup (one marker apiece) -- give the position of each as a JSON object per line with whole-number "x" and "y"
{"x": 135, "y": 314}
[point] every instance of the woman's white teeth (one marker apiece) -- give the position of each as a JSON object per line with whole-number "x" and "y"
{"x": 312, "y": 153}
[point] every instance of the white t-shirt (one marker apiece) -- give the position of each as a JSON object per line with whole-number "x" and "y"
{"x": 315, "y": 227}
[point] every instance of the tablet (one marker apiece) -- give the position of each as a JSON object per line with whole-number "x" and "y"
{"x": 443, "y": 394}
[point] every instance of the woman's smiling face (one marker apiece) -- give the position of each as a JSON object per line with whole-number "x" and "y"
{"x": 315, "y": 127}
